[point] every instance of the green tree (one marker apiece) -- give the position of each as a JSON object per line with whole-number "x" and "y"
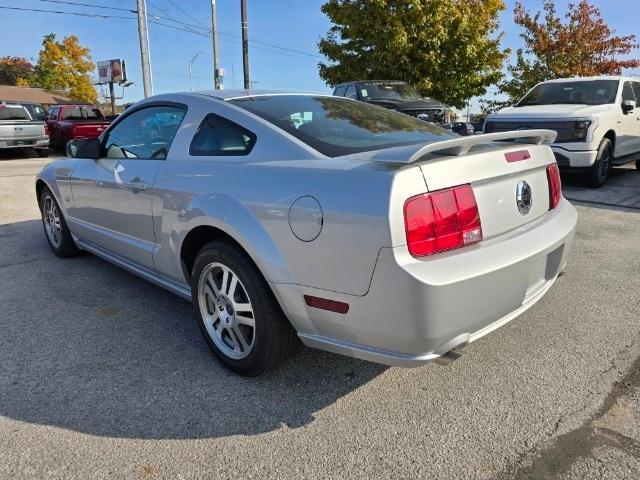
{"x": 448, "y": 49}
{"x": 66, "y": 66}
{"x": 582, "y": 45}
{"x": 15, "y": 70}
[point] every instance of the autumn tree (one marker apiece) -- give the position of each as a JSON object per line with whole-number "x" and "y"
{"x": 448, "y": 49}
{"x": 582, "y": 45}
{"x": 66, "y": 66}
{"x": 15, "y": 71}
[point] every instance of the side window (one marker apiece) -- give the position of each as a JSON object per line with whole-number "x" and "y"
{"x": 218, "y": 136}
{"x": 636, "y": 89}
{"x": 53, "y": 112}
{"x": 351, "y": 92}
{"x": 144, "y": 134}
{"x": 339, "y": 91}
{"x": 627, "y": 92}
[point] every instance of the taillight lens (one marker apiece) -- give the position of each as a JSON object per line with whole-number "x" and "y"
{"x": 555, "y": 186}
{"x": 442, "y": 220}
{"x": 46, "y": 129}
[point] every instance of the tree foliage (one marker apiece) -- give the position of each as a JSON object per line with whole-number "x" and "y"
{"x": 65, "y": 65}
{"x": 15, "y": 71}
{"x": 582, "y": 45}
{"x": 448, "y": 49}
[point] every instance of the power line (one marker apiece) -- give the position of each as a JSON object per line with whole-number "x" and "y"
{"x": 93, "y": 5}
{"x": 93, "y": 15}
{"x": 185, "y": 27}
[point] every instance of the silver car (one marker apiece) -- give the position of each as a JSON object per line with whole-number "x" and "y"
{"x": 291, "y": 219}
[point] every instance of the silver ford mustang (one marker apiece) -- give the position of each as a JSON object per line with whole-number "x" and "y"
{"x": 298, "y": 217}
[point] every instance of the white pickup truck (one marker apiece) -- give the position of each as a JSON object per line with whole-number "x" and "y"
{"x": 19, "y": 130}
{"x": 597, "y": 120}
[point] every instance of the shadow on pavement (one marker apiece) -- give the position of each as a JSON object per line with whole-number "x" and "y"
{"x": 622, "y": 191}
{"x": 88, "y": 347}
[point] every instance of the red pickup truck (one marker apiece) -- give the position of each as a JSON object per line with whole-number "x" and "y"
{"x": 66, "y": 122}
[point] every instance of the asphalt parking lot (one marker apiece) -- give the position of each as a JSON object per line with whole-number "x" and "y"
{"x": 105, "y": 375}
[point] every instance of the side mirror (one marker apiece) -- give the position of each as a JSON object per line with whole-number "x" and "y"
{"x": 86, "y": 148}
{"x": 628, "y": 106}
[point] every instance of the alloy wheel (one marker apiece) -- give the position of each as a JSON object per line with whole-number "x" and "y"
{"x": 226, "y": 310}
{"x": 52, "y": 221}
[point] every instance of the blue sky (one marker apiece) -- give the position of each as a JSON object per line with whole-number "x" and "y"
{"x": 292, "y": 24}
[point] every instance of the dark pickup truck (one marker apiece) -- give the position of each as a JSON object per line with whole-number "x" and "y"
{"x": 67, "y": 122}
{"x": 394, "y": 95}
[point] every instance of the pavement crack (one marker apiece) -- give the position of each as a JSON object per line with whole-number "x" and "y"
{"x": 555, "y": 459}
{"x": 5, "y": 265}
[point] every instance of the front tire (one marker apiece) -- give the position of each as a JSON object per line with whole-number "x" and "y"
{"x": 601, "y": 169}
{"x": 237, "y": 312}
{"x": 55, "y": 227}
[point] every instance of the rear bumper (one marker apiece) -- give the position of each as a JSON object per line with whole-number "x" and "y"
{"x": 574, "y": 158}
{"x": 418, "y": 309}
{"x": 38, "y": 142}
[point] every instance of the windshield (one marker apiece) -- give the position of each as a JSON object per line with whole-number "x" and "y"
{"x": 336, "y": 126}
{"x": 385, "y": 90}
{"x": 583, "y": 92}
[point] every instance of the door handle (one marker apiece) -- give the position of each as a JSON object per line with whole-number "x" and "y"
{"x": 136, "y": 185}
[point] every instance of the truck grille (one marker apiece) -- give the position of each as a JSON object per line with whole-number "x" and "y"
{"x": 564, "y": 130}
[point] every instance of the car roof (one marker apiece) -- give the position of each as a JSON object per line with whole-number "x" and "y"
{"x": 234, "y": 94}
{"x": 600, "y": 77}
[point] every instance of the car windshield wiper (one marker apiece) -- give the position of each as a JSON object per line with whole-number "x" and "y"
{"x": 567, "y": 103}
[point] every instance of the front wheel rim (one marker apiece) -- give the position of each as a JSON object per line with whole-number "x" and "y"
{"x": 226, "y": 311}
{"x": 605, "y": 164}
{"x": 52, "y": 221}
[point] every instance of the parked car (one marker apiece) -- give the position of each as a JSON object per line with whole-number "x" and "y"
{"x": 461, "y": 128}
{"x": 67, "y": 122}
{"x": 394, "y": 95}
{"x": 597, "y": 120}
{"x": 357, "y": 230}
{"x": 478, "y": 127}
{"x": 19, "y": 130}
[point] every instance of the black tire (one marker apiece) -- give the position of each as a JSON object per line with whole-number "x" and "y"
{"x": 637, "y": 164}
{"x": 273, "y": 338}
{"x": 42, "y": 152}
{"x": 64, "y": 246}
{"x": 601, "y": 169}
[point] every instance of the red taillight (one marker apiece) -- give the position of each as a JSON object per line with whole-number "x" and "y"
{"x": 46, "y": 129}
{"x": 442, "y": 220}
{"x": 326, "y": 304}
{"x": 555, "y": 186}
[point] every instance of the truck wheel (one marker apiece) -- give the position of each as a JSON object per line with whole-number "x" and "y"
{"x": 42, "y": 152}
{"x": 237, "y": 312}
{"x": 601, "y": 169}
{"x": 55, "y": 227}
{"x": 637, "y": 164}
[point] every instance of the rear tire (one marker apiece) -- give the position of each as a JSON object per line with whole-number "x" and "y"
{"x": 42, "y": 152}
{"x": 601, "y": 169}
{"x": 637, "y": 164}
{"x": 55, "y": 227}
{"x": 237, "y": 312}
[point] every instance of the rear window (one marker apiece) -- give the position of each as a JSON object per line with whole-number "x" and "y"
{"x": 335, "y": 126}
{"x": 81, "y": 113}
{"x": 13, "y": 113}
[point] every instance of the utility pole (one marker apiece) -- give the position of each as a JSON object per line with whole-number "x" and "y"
{"x": 217, "y": 80}
{"x": 113, "y": 98}
{"x": 144, "y": 47}
{"x": 245, "y": 44}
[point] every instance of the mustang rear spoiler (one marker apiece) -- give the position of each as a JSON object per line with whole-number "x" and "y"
{"x": 462, "y": 145}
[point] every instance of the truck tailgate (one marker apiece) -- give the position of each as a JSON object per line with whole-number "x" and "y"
{"x": 89, "y": 130}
